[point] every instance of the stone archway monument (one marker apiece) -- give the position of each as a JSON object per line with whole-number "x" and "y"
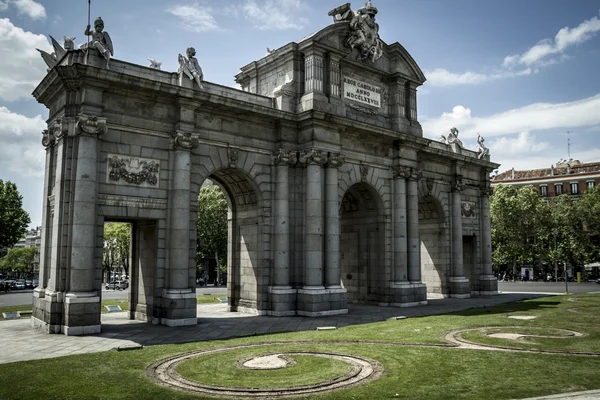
{"x": 321, "y": 156}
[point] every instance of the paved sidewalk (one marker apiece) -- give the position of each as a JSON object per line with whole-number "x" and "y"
{"x": 20, "y": 342}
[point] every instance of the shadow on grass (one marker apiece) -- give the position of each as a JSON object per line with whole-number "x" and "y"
{"x": 214, "y": 322}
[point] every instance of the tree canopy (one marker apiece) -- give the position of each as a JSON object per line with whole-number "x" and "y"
{"x": 212, "y": 225}
{"x": 13, "y": 218}
{"x": 19, "y": 260}
{"x": 117, "y": 238}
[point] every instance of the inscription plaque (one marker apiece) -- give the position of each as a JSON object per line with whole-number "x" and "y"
{"x": 362, "y": 92}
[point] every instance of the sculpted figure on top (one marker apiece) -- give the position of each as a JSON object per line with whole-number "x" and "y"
{"x": 364, "y": 31}
{"x": 452, "y": 138}
{"x": 190, "y": 67}
{"x": 100, "y": 40}
{"x": 482, "y": 151}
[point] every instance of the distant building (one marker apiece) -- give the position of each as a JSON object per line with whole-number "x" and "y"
{"x": 567, "y": 177}
{"x": 33, "y": 238}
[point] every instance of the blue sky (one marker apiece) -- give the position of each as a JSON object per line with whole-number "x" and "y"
{"x": 521, "y": 73}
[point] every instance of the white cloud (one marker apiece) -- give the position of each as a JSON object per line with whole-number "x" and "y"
{"x": 195, "y": 18}
{"x": 24, "y": 68}
{"x": 3, "y": 5}
{"x": 275, "y": 15}
{"x": 523, "y": 143}
{"x": 565, "y": 38}
{"x": 534, "y": 117}
{"x": 444, "y": 78}
{"x": 21, "y": 151}
{"x": 266, "y": 15}
{"x": 31, "y": 8}
{"x": 544, "y": 53}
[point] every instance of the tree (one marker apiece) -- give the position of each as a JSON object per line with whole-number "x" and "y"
{"x": 589, "y": 207}
{"x": 19, "y": 261}
{"x": 518, "y": 221}
{"x": 569, "y": 243}
{"x": 212, "y": 226}
{"x": 117, "y": 239}
{"x": 13, "y": 219}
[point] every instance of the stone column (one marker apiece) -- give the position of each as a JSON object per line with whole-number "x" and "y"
{"x": 400, "y": 225}
{"x": 177, "y": 294}
{"x": 414, "y": 244}
{"x": 281, "y": 214}
{"x": 459, "y": 285}
{"x": 332, "y": 222}
{"x": 487, "y": 281}
{"x": 313, "y": 246}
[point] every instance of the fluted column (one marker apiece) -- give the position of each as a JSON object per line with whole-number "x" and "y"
{"x": 414, "y": 244}
{"x": 313, "y": 258}
{"x": 400, "y": 225}
{"x": 457, "y": 230}
{"x": 179, "y": 227}
{"x": 332, "y": 221}
{"x": 83, "y": 235}
{"x": 281, "y": 214}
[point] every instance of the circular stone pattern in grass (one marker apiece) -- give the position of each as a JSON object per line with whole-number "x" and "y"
{"x": 250, "y": 372}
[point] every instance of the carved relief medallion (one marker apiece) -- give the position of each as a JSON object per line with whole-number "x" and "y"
{"x": 468, "y": 209}
{"x": 137, "y": 171}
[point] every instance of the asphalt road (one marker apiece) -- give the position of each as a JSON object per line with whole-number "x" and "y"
{"x": 22, "y": 297}
{"x": 548, "y": 287}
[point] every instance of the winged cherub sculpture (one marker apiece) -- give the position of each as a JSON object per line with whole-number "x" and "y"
{"x": 190, "y": 67}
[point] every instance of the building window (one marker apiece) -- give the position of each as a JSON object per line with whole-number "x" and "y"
{"x": 574, "y": 188}
{"x": 544, "y": 190}
{"x": 558, "y": 189}
{"x": 590, "y": 184}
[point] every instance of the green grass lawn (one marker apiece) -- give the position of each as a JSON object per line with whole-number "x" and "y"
{"x": 410, "y": 371}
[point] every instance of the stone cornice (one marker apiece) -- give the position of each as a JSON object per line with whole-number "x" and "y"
{"x": 184, "y": 140}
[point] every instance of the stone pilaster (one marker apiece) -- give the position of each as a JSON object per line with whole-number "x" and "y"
{"x": 82, "y": 301}
{"x": 414, "y": 243}
{"x": 459, "y": 285}
{"x": 283, "y": 297}
{"x": 179, "y": 306}
{"x": 400, "y": 225}
{"x": 332, "y": 222}
{"x": 488, "y": 283}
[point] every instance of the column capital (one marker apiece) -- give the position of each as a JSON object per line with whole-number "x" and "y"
{"x": 458, "y": 184}
{"x": 335, "y": 160}
{"x": 313, "y": 156}
{"x": 285, "y": 157}
{"x": 401, "y": 171}
{"x": 181, "y": 140}
{"x": 415, "y": 174}
{"x": 486, "y": 191}
{"x": 90, "y": 125}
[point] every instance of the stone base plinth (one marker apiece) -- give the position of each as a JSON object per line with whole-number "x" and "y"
{"x": 407, "y": 294}
{"x": 320, "y": 301}
{"x": 488, "y": 285}
{"x": 179, "y": 307}
{"x": 47, "y": 310}
{"x": 283, "y": 301}
{"x": 82, "y": 313}
{"x": 459, "y": 287}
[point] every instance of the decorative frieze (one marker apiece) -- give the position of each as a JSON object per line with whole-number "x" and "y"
{"x": 132, "y": 171}
{"x": 313, "y": 156}
{"x": 184, "y": 140}
{"x": 335, "y": 160}
{"x": 285, "y": 157}
{"x": 468, "y": 209}
{"x": 90, "y": 125}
